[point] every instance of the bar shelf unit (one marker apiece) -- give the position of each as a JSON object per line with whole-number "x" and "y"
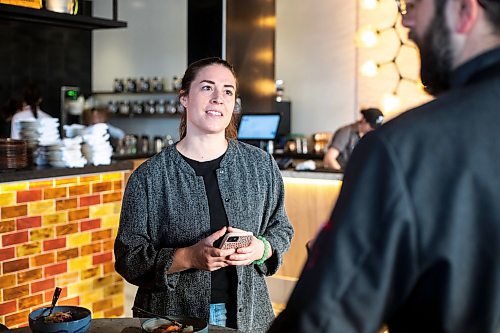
{"x": 43, "y": 16}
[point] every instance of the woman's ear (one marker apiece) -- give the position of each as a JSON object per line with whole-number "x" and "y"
{"x": 183, "y": 100}
{"x": 467, "y": 15}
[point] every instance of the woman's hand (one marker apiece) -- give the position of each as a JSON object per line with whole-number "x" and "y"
{"x": 202, "y": 255}
{"x": 246, "y": 255}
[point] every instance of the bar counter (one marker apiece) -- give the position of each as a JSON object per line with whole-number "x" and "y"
{"x": 57, "y": 228}
{"x": 38, "y": 172}
{"x": 58, "y": 225}
{"x": 309, "y": 199}
{"x": 128, "y": 325}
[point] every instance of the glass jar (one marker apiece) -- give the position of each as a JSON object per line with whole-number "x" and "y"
{"x": 160, "y": 106}
{"x": 149, "y": 107}
{"x": 112, "y": 107}
{"x": 124, "y": 108}
{"x": 144, "y": 85}
{"x": 118, "y": 85}
{"x": 137, "y": 107}
{"x": 170, "y": 108}
{"x": 131, "y": 85}
{"x": 158, "y": 84}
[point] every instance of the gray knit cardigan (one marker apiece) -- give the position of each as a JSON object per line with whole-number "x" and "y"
{"x": 165, "y": 207}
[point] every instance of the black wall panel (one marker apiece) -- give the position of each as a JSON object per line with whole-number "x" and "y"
{"x": 204, "y": 29}
{"x": 247, "y": 38}
{"x": 49, "y": 56}
{"x": 249, "y": 34}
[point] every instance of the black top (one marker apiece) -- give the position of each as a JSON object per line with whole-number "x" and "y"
{"x": 218, "y": 219}
{"x": 414, "y": 238}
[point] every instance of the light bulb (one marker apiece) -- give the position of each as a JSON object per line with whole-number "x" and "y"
{"x": 369, "y": 4}
{"x": 367, "y": 37}
{"x": 369, "y": 68}
{"x": 390, "y": 103}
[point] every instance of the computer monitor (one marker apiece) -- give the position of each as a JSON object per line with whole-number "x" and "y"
{"x": 259, "y": 126}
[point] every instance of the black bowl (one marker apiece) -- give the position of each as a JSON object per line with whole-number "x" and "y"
{"x": 80, "y": 323}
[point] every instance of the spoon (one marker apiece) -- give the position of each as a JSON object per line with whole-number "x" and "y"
{"x": 55, "y": 297}
{"x": 175, "y": 322}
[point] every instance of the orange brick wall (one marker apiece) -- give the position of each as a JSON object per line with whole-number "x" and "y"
{"x": 60, "y": 232}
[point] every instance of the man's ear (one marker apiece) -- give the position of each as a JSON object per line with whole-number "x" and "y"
{"x": 467, "y": 15}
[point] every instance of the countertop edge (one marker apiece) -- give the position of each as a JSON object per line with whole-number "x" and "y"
{"x": 312, "y": 175}
{"x": 51, "y": 172}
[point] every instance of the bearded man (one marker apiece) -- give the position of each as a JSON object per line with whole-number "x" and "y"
{"x": 414, "y": 239}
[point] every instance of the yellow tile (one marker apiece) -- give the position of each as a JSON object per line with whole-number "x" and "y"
{"x": 112, "y": 176}
{"x": 114, "y": 233}
{"x": 88, "y": 179}
{"x": 57, "y": 218}
{"x": 117, "y": 278}
{"x": 66, "y": 279}
{"x": 80, "y": 287}
{"x": 41, "y": 233}
{"x": 90, "y": 272}
{"x": 114, "y": 289}
{"x": 91, "y": 297}
{"x": 77, "y": 264}
{"x": 65, "y": 181}
{"x": 117, "y": 207}
{"x": 12, "y": 187}
{"x": 41, "y": 207}
{"x": 78, "y": 239}
{"x": 111, "y": 221}
{"x": 101, "y": 210}
{"x": 42, "y": 184}
{"x": 7, "y": 199}
{"x": 102, "y": 282}
{"x": 118, "y": 300}
{"x": 28, "y": 248}
{"x": 96, "y": 314}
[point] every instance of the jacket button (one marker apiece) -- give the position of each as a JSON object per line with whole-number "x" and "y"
{"x": 227, "y": 199}
{"x": 240, "y": 310}
{"x": 239, "y": 283}
{"x": 221, "y": 172}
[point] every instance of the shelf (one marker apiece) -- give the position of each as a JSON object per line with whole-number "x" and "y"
{"x": 43, "y": 16}
{"x": 146, "y": 116}
{"x": 166, "y": 92}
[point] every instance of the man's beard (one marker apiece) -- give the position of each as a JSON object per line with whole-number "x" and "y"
{"x": 435, "y": 54}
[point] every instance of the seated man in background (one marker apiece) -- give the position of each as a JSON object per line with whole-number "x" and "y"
{"x": 345, "y": 138}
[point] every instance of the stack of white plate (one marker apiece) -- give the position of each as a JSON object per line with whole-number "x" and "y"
{"x": 97, "y": 149}
{"x": 67, "y": 154}
{"x": 49, "y": 131}
{"x": 29, "y": 131}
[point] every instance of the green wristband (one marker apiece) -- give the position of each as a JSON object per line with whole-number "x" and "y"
{"x": 266, "y": 251}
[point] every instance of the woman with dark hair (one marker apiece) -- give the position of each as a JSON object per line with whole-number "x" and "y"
{"x": 178, "y": 204}
{"x": 30, "y": 110}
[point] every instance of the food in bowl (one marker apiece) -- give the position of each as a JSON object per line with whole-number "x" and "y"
{"x": 189, "y": 324}
{"x": 59, "y": 317}
{"x": 168, "y": 328}
{"x": 79, "y": 323}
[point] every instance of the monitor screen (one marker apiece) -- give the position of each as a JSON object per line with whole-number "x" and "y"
{"x": 259, "y": 126}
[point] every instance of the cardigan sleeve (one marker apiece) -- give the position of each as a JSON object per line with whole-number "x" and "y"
{"x": 279, "y": 230}
{"x": 139, "y": 259}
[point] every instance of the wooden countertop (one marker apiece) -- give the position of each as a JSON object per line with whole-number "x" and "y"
{"x": 125, "y": 325}
{"x": 37, "y": 172}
